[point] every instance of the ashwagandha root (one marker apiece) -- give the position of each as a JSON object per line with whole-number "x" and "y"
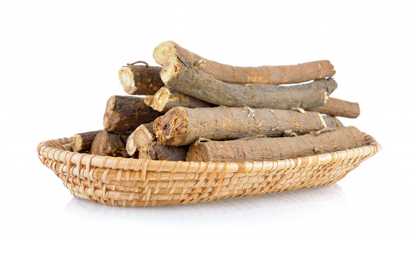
{"x": 157, "y": 151}
{"x": 109, "y": 144}
{"x": 338, "y": 107}
{"x": 143, "y": 141}
{"x": 170, "y": 51}
{"x": 269, "y": 149}
{"x": 195, "y": 83}
{"x": 124, "y": 113}
{"x": 164, "y": 100}
{"x": 81, "y": 142}
{"x": 140, "y": 79}
{"x": 183, "y": 126}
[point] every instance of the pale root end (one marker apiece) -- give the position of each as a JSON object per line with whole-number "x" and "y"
{"x": 170, "y": 71}
{"x": 172, "y": 127}
{"x": 159, "y": 100}
{"x": 164, "y": 52}
{"x": 165, "y": 55}
{"x": 131, "y": 147}
{"x": 76, "y": 143}
{"x": 126, "y": 76}
{"x": 143, "y": 136}
{"x": 139, "y": 138}
{"x": 148, "y": 100}
{"x": 330, "y": 67}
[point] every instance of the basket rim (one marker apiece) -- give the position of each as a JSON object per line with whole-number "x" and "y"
{"x": 54, "y": 150}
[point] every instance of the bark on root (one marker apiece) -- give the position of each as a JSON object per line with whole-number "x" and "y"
{"x": 195, "y": 83}
{"x": 164, "y": 100}
{"x": 182, "y": 126}
{"x": 268, "y": 149}
{"x": 169, "y": 51}
{"x": 109, "y": 144}
{"x": 124, "y": 113}
{"x": 81, "y": 142}
{"x": 338, "y": 107}
{"x": 140, "y": 79}
{"x": 157, "y": 151}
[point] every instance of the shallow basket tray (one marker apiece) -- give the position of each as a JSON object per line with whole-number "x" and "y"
{"x": 120, "y": 181}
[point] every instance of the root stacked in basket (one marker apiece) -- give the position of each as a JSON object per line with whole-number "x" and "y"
{"x": 196, "y": 109}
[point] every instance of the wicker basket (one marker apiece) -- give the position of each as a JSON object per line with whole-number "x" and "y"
{"x": 136, "y": 182}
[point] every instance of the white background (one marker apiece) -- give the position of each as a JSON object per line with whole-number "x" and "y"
{"x": 58, "y": 66}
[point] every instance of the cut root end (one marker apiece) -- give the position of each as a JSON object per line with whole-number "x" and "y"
{"x": 126, "y": 77}
{"x": 159, "y": 100}
{"x": 170, "y": 71}
{"x": 77, "y": 142}
{"x": 131, "y": 146}
{"x": 164, "y": 52}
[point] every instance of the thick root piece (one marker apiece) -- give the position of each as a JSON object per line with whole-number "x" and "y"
{"x": 164, "y": 100}
{"x": 81, "y": 142}
{"x": 140, "y": 80}
{"x": 167, "y": 52}
{"x": 124, "y": 113}
{"x": 269, "y": 149}
{"x": 109, "y": 144}
{"x": 157, "y": 151}
{"x": 338, "y": 107}
{"x": 183, "y": 126}
{"x": 195, "y": 83}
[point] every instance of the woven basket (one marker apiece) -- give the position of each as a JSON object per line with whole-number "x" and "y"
{"x": 136, "y": 182}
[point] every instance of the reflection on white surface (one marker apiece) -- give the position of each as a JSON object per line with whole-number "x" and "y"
{"x": 258, "y": 208}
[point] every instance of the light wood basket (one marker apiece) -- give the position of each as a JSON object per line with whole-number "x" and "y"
{"x": 120, "y": 181}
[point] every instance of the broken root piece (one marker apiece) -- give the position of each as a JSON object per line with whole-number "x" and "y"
{"x": 270, "y": 149}
{"x": 140, "y": 79}
{"x": 183, "y": 126}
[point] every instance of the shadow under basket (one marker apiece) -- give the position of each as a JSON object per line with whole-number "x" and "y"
{"x": 120, "y": 181}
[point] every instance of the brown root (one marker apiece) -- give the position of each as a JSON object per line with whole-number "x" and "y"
{"x": 81, "y": 142}
{"x": 270, "y": 149}
{"x": 338, "y": 107}
{"x": 166, "y": 52}
{"x": 124, "y": 113}
{"x": 140, "y": 80}
{"x": 196, "y": 83}
{"x": 109, "y": 144}
{"x": 182, "y": 126}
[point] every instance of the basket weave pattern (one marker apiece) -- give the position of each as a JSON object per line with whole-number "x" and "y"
{"x": 138, "y": 182}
